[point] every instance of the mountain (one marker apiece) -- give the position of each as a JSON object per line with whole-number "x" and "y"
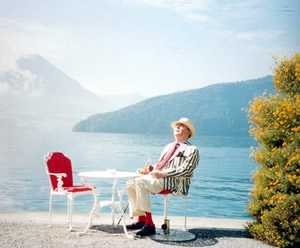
{"x": 214, "y": 110}
{"x": 37, "y": 94}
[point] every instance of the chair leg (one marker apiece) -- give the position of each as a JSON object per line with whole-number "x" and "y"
{"x": 70, "y": 210}
{"x": 50, "y": 209}
{"x": 185, "y": 213}
{"x": 166, "y": 207}
{"x": 167, "y": 200}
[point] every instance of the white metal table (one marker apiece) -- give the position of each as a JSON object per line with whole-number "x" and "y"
{"x": 115, "y": 175}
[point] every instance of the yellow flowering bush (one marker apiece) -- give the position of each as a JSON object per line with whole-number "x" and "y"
{"x": 287, "y": 74}
{"x": 275, "y": 124}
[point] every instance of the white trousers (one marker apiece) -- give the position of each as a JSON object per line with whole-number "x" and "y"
{"x": 139, "y": 190}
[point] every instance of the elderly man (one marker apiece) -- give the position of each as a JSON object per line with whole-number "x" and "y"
{"x": 172, "y": 172}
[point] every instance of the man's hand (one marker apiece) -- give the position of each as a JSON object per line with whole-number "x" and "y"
{"x": 156, "y": 174}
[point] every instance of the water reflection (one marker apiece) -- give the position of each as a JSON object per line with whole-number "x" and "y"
{"x": 219, "y": 188}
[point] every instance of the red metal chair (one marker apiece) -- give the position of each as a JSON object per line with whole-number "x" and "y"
{"x": 59, "y": 170}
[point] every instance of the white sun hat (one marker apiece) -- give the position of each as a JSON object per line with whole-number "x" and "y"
{"x": 186, "y": 122}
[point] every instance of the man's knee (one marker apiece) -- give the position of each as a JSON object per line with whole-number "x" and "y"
{"x": 130, "y": 184}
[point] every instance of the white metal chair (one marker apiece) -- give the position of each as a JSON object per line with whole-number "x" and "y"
{"x": 168, "y": 194}
{"x": 59, "y": 170}
{"x": 165, "y": 234}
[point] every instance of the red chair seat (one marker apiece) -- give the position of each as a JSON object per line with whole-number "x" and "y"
{"x": 165, "y": 192}
{"x": 75, "y": 189}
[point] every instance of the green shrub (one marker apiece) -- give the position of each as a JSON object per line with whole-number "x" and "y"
{"x": 274, "y": 122}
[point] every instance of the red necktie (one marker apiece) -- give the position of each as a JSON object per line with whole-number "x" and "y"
{"x": 166, "y": 157}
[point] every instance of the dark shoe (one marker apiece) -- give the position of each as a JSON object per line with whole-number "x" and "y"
{"x": 146, "y": 231}
{"x": 136, "y": 226}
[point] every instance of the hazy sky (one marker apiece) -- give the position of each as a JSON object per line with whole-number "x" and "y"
{"x": 151, "y": 47}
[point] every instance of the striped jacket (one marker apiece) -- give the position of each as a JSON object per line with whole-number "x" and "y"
{"x": 180, "y": 167}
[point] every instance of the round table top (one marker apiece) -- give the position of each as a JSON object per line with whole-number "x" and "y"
{"x": 110, "y": 173}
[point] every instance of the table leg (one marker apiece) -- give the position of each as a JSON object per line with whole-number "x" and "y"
{"x": 94, "y": 208}
{"x": 113, "y": 201}
{"x": 122, "y": 213}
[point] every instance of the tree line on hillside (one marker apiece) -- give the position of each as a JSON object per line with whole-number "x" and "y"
{"x": 215, "y": 110}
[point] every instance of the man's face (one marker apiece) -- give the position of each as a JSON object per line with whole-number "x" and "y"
{"x": 181, "y": 131}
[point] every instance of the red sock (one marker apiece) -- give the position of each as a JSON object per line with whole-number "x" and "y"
{"x": 142, "y": 218}
{"x": 149, "y": 220}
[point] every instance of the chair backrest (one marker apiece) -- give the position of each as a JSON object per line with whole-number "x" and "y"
{"x": 57, "y": 162}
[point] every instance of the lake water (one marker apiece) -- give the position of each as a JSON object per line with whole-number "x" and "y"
{"x": 219, "y": 188}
